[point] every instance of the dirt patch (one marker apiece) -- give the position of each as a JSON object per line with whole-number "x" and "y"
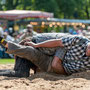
{"x": 45, "y": 81}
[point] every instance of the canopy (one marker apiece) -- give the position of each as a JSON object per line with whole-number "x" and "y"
{"x": 69, "y": 20}
{"x": 19, "y": 14}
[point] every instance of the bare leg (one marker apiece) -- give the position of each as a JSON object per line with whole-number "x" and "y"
{"x": 39, "y": 59}
{"x": 57, "y": 66}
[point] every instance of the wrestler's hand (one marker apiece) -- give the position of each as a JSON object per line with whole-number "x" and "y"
{"x": 25, "y": 40}
{"x": 30, "y": 44}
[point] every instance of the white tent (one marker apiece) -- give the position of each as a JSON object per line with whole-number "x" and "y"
{"x": 19, "y": 14}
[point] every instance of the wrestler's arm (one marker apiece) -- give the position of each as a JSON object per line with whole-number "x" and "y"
{"x": 49, "y": 43}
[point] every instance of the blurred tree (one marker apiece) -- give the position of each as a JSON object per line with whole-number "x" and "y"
{"x": 0, "y": 4}
{"x": 47, "y": 5}
{"x": 16, "y": 4}
{"x": 24, "y": 4}
{"x": 9, "y": 4}
{"x": 86, "y": 8}
{"x": 78, "y": 9}
{"x": 67, "y": 7}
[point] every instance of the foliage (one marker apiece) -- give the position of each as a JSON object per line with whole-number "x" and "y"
{"x": 79, "y": 9}
{"x": 74, "y": 8}
{"x": 47, "y": 5}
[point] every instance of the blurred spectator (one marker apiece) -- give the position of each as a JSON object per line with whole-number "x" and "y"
{"x": 86, "y": 33}
{"x": 28, "y": 32}
{"x": 70, "y": 30}
{"x": 6, "y": 29}
{"x": 8, "y": 37}
{"x": 74, "y": 32}
{"x": 88, "y": 28}
{"x": 10, "y": 30}
{"x": 1, "y": 51}
{"x": 1, "y": 31}
{"x": 79, "y": 31}
{"x": 53, "y": 31}
{"x": 15, "y": 35}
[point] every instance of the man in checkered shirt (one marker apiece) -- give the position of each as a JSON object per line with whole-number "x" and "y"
{"x": 76, "y": 59}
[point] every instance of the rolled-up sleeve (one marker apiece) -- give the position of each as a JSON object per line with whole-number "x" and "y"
{"x": 60, "y": 53}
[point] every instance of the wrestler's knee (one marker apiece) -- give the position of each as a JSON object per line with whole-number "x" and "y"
{"x": 57, "y": 66}
{"x": 55, "y": 62}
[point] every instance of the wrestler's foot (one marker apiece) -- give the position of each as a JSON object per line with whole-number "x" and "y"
{"x": 3, "y": 41}
{"x": 13, "y": 73}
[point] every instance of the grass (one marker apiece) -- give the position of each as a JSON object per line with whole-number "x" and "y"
{"x": 7, "y": 61}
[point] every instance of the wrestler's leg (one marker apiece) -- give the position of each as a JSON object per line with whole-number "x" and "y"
{"x": 24, "y": 65}
{"x": 39, "y": 59}
{"x": 57, "y": 66}
{"x": 32, "y": 54}
{"x": 21, "y": 69}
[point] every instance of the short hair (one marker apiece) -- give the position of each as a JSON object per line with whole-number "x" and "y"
{"x": 29, "y": 25}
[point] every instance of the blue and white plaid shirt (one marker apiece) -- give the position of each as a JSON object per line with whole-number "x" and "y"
{"x": 75, "y": 59}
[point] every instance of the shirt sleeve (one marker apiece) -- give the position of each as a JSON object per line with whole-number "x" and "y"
{"x": 60, "y": 53}
{"x": 68, "y": 42}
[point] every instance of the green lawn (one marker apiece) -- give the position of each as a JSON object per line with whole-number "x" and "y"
{"x": 7, "y": 61}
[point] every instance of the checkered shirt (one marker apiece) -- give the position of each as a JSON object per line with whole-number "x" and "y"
{"x": 75, "y": 59}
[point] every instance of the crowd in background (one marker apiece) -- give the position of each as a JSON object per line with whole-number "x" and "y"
{"x": 16, "y": 37}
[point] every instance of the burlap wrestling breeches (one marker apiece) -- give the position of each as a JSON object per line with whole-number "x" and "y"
{"x": 40, "y": 59}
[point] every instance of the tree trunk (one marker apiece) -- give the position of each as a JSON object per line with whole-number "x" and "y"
{"x": 87, "y": 12}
